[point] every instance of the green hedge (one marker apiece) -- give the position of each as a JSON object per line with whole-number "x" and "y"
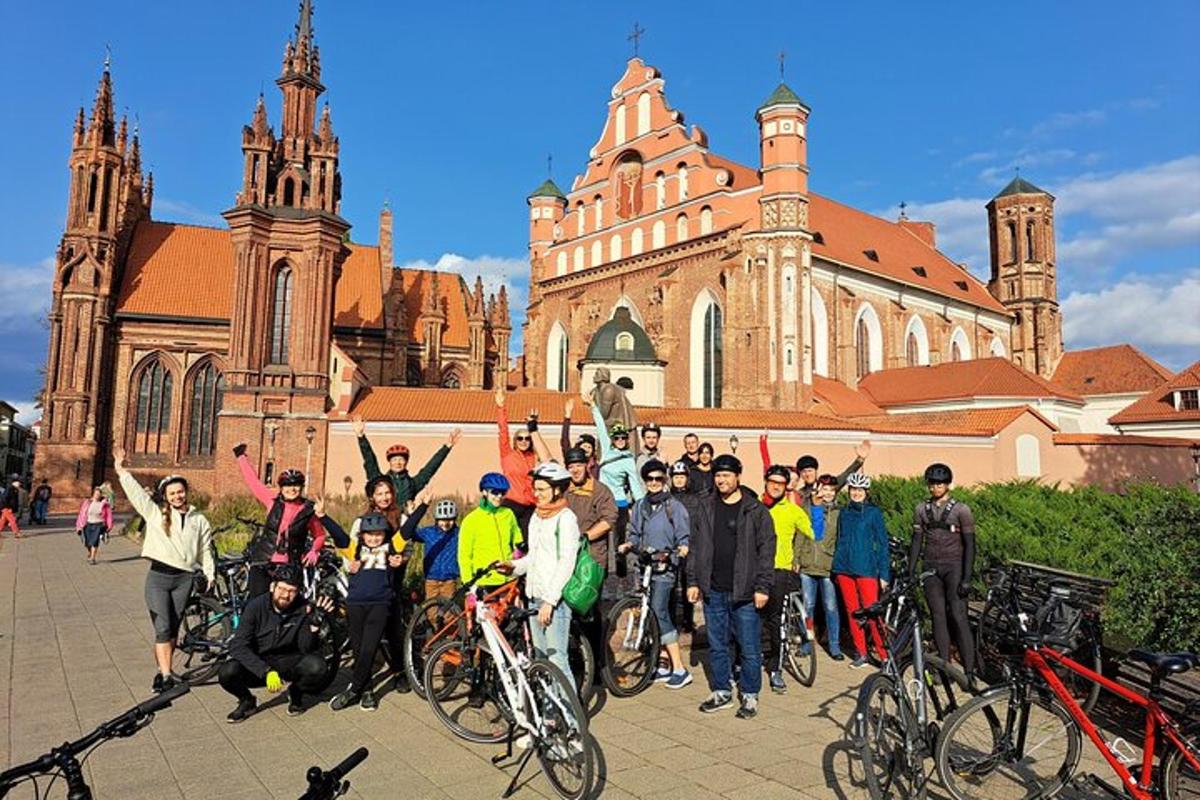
{"x": 1147, "y": 539}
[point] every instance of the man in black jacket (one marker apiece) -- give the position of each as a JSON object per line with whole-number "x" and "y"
{"x": 276, "y": 641}
{"x": 731, "y": 567}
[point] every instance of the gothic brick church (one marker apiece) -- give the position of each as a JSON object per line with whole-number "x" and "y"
{"x": 177, "y": 341}
{"x": 747, "y": 283}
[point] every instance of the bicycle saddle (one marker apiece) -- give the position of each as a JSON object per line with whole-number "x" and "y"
{"x": 1166, "y": 663}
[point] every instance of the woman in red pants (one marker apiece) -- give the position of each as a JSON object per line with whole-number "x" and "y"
{"x": 861, "y": 563}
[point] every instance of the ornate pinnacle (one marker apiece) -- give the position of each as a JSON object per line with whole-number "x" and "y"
{"x": 325, "y": 127}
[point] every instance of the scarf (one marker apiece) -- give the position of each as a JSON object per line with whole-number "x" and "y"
{"x": 585, "y": 489}
{"x": 550, "y": 509}
{"x": 657, "y": 498}
{"x": 769, "y": 501}
{"x": 818, "y": 522}
{"x": 488, "y": 505}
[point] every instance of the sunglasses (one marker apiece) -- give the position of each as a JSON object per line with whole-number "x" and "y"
{"x": 619, "y": 436}
{"x": 655, "y": 479}
{"x": 523, "y": 439}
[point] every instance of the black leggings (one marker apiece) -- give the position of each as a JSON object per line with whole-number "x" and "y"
{"x": 680, "y": 608}
{"x": 304, "y": 673}
{"x": 941, "y": 593}
{"x": 367, "y": 624}
{"x": 785, "y": 581}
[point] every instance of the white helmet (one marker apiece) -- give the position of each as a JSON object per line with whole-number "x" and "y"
{"x": 859, "y": 480}
{"x": 551, "y": 472}
{"x": 445, "y": 509}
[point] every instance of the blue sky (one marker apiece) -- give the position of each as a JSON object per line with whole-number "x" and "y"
{"x": 449, "y": 110}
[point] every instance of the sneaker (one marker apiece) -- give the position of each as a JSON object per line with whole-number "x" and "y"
{"x": 749, "y": 707}
{"x": 400, "y": 684}
{"x": 777, "y": 684}
{"x": 295, "y": 707}
{"x": 369, "y": 702}
{"x": 680, "y": 679}
{"x": 662, "y": 675}
{"x": 837, "y": 656}
{"x": 717, "y": 701}
{"x": 345, "y": 699}
{"x": 244, "y": 709}
{"x": 168, "y": 682}
{"x": 157, "y": 685}
{"x": 859, "y": 662}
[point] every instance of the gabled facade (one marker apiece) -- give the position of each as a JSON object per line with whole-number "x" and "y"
{"x": 748, "y": 283}
{"x": 1170, "y": 409}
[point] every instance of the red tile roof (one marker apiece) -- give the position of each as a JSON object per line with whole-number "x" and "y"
{"x": 957, "y": 380}
{"x": 1118, "y": 369}
{"x": 847, "y": 234}
{"x": 358, "y": 294}
{"x": 839, "y": 400}
{"x": 1122, "y": 439}
{"x": 965, "y": 422}
{"x": 178, "y": 271}
{"x": 1158, "y": 404}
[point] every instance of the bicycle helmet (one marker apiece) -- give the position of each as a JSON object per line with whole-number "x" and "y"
{"x": 287, "y": 573}
{"x": 859, "y": 480}
{"x": 827, "y": 480}
{"x": 291, "y": 477}
{"x": 680, "y": 467}
{"x": 397, "y": 450}
{"x": 727, "y": 463}
{"x": 552, "y": 472}
{"x": 586, "y": 438}
{"x": 651, "y": 427}
{"x": 493, "y": 482}
{"x": 445, "y": 509}
{"x": 777, "y": 472}
{"x": 167, "y": 481}
{"x": 575, "y": 455}
{"x": 618, "y": 429}
{"x": 652, "y": 466}
{"x": 806, "y": 462}
{"x": 938, "y": 473}
{"x": 374, "y": 522}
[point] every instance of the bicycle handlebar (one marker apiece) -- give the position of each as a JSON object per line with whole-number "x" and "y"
{"x": 323, "y": 785}
{"x": 903, "y": 585}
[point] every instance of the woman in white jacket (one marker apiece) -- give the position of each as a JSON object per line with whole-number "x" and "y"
{"x": 178, "y": 540}
{"x": 553, "y": 547}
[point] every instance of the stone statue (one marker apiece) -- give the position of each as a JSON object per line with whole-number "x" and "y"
{"x": 614, "y": 405}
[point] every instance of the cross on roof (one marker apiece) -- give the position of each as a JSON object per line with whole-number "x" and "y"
{"x": 636, "y": 37}
{"x": 782, "y": 56}
{"x": 903, "y": 207}
{"x": 549, "y": 165}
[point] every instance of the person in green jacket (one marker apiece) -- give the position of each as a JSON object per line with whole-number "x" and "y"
{"x": 488, "y": 534}
{"x": 404, "y": 485}
{"x": 792, "y": 529}
{"x": 814, "y": 562}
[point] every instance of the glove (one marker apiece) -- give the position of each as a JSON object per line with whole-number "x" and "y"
{"x": 532, "y": 424}
{"x": 274, "y": 682}
{"x": 201, "y": 584}
{"x": 964, "y": 588}
{"x": 310, "y": 558}
{"x": 239, "y": 450}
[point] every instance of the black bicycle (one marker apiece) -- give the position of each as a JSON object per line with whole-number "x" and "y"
{"x": 332, "y": 784}
{"x": 65, "y": 761}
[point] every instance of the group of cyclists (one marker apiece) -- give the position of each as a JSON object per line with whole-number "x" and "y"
{"x": 735, "y": 552}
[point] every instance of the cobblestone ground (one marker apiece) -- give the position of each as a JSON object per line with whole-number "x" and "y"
{"x": 75, "y": 650}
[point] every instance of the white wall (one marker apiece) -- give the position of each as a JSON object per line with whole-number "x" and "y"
{"x": 648, "y": 380}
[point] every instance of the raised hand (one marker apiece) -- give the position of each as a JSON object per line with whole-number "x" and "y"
{"x": 318, "y": 502}
{"x": 500, "y": 397}
{"x": 455, "y": 435}
{"x": 118, "y": 457}
{"x": 863, "y": 450}
{"x": 360, "y": 427}
{"x": 569, "y": 407}
{"x": 239, "y": 450}
{"x": 424, "y": 496}
{"x": 396, "y": 561}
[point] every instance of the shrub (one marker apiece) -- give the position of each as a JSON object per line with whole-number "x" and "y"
{"x": 1146, "y": 539}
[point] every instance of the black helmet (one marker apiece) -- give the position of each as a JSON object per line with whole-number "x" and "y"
{"x": 727, "y": 463}
{"x": 777, "y": 471}
{"x": 287, "y": 573}
{"x": 806, "y": 462}
{"x": 651, "y": 427}
{"x": 374, "y": 522}
{"x": 575, "y": 455}
{"x": 652, "y": 466}
{"x": 291, "y": 477}
{"x": 938, "y": 473}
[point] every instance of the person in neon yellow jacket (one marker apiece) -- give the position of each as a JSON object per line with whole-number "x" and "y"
{"x": 490, "y": 533}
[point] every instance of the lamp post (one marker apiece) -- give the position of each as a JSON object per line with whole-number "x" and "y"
{"x": 1195, "y": 451}
{"x": 309, "y": 434}
{"x": 733, "y": 442}
{"x": 347, "y": 482}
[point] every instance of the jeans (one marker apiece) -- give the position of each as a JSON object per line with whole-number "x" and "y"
{"x": 551, "y": 641}
{"x": 723, "y": 617}
{"x": 661, "y": 587}
{"x": 38, "y": 512}
{"x": 812, "y": 585}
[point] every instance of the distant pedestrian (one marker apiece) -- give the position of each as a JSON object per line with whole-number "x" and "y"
{"x": 95, "y": 520}
{"x": 10, "y": 507}
{"x": 41, "y": 503}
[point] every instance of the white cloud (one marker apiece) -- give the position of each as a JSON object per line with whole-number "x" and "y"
{"x": 1124, "y": 312}
{"x": 961, "y": 227}
{"x": 179, "y": 211}
{"x": 26, "y": 413}
{"x": 27, "y": 293}
{"x": 1071, "y": 119}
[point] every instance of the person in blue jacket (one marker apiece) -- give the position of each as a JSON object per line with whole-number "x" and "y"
{"x": 619, "y": 472}
{"x": 861, "y": 563}
{"x": 441, "y": 550}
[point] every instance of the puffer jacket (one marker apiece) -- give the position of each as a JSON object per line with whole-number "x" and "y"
{"x": 862, "y": 543}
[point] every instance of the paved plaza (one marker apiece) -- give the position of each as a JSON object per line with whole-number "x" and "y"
{"x": 75, "y": 646}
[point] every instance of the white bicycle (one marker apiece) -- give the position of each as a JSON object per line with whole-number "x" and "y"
{"x": 485, "y": 691}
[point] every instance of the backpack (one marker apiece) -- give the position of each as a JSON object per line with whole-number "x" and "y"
{"x": 583, "y": 587}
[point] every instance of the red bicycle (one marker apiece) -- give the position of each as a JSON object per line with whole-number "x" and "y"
{"x": 1021, "y": 738}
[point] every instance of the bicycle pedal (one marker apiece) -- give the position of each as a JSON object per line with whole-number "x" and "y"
{"x": 1082, "y": 783}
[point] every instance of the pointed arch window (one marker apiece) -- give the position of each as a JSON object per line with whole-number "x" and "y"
{"x": 1012, "y": 241}
{"x": 681, "y": 228}
{"x": 862, "y": 351}
{"x": 152, "y": 420}
{"x": 912, "y": 350}
{"x": 281, "y": 316}
{"x": 712, "y": 356}
{"x": 643, "y": 114}
{"x": 706, "y": 220}
{"x": 1030, "y": 250}
{"x": 556, "y": 358}
{"x": 208, "y": 390}
{"x": 706, "y": 351}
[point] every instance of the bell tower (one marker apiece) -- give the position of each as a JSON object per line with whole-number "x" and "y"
{"x": 1021, "y": 230}
{"x": 106, "y": 200}
{"x": 287, "y": 236}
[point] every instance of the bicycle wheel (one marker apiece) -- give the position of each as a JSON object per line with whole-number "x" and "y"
{"x": 335, "y": 633}
{"x": 562, "y": 744}
{"x": 203, "y": 638}
{"x": 631, "y": 645}
{"x": 583, "y": 664}
{"x": 462, "y": 689}
{"x": 995, "y": 642}
{"x": 1087, "y": 653}
{"x": 945, "y": 686}
{"x": 881, "y": 730}
{"x": 1178, "y": 779}
{"x": 977, "y": 756}
{"x": 802, "y": 667}
{"x": 434, "y": 621}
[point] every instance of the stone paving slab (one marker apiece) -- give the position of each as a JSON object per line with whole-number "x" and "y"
{"x": 75, "y": 650}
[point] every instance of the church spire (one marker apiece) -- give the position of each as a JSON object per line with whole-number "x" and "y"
{"x": 101, "y": 128}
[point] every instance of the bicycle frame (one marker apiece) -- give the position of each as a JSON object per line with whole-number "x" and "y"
{"x": 1038, "y": 660}
{"x": 793, "y": 603}
{"x": 510, "y": 667}
{"x": 632, "y": 641}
